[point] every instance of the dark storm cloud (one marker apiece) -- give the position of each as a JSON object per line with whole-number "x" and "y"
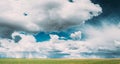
{"x": 6, "y": 32}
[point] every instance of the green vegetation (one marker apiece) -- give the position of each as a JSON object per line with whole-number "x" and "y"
{"x": 59, "y": 61}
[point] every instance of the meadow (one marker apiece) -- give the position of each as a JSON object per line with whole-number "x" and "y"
{"x": 59, "y": 61}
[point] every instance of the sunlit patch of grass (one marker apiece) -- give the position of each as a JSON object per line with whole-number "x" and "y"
{"x": 59, "y": 61}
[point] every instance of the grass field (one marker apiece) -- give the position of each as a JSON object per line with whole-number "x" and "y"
{"x": 59, "y": 61}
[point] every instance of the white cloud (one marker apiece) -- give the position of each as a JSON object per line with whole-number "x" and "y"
{"x": 55, "y": 15}
{"x": 47, "y": 15}
{"x": 100, "y": 43}
{"x": 76, "y": 35}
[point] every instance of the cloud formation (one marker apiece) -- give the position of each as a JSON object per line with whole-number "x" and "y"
{"x": 47, "y": 15}
{"x": 76, "y": 35}
{"x": 33, "y": 16}
{"x": 100, "y": 43}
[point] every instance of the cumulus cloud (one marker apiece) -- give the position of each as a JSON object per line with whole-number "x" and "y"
{"x": 55, "y": 15}
{"x": 100, "y": 43}
{"x": 76, "y": 35}
{"x": 47, "y": 15}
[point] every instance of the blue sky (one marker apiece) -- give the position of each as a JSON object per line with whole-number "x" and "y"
{"x": 59, "y": 29}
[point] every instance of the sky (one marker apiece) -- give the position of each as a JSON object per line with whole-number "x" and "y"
{"x": 59, "y": 29}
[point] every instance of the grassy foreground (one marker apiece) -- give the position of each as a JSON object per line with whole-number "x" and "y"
{"x": 59, "y": 61}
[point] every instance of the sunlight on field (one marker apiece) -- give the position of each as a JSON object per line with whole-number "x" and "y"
{"x": 59, "y": 61}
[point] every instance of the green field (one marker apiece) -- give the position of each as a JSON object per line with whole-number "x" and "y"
{"x": 59, "y": 61}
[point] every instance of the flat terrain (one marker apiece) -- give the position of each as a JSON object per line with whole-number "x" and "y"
{"x": 59, "y": 61}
